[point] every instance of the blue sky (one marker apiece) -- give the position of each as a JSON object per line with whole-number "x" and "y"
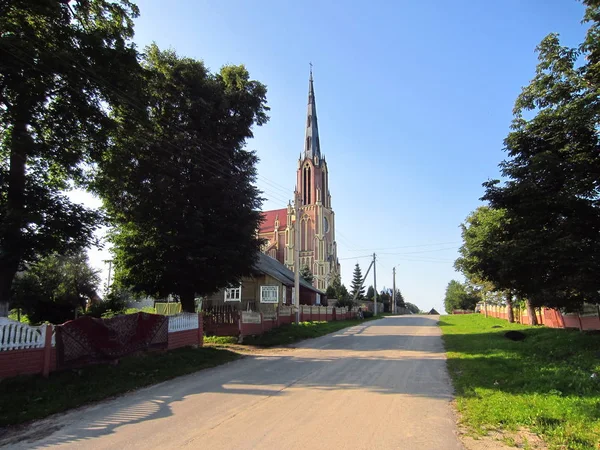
{"x": 414, "y": 99}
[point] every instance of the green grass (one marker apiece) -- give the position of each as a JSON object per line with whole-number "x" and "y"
{"x": 288, "y": 334}
{"x": 545, "y": 383}
{"x": 220, "y": 340}
{"x": 34, "y": 397}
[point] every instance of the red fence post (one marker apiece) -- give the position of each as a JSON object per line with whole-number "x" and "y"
{"x": 47, "y": 351}
{"x": 200, "y": 330}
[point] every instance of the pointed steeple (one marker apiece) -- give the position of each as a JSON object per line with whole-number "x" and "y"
{"x": 312, "y": 146}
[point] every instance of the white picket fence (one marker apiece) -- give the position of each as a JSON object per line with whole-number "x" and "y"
{"x": 182, "y": 322}
{"x": 18, "y": 336}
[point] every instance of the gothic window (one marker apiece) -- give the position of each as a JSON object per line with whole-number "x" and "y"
{"x": 308, "y": 122}
{"x": 308, "y": 143}
{"x": 307, "y": 184}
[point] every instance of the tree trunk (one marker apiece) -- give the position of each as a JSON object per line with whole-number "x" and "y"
{"x": 187, "y": 300}
{"x": 11, "y": 240}
{"x": 531, "y": 313}
{"x": 509, "y": 305}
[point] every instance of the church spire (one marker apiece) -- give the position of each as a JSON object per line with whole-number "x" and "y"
{"x": 312, "y": 147}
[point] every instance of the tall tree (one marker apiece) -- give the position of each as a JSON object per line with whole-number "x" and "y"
{"x": 63, "y": 66}
{"x": 307, "y": 275}
{"x": 552, "y": 193}
{"x": 357, "y": 288}
{"x": 180, "y": 186}
{"x": 370, "y": 293}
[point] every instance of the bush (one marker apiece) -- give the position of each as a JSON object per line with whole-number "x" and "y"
{"x": 367, "y": 314}
{"x": 112, "y": 306}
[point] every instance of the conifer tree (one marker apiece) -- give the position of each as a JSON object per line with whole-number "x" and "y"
{"x": 357, "y": 281}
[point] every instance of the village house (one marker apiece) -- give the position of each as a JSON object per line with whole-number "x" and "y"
{"x": 271, "y": 285}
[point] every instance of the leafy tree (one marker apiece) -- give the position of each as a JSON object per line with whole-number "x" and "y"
{"x": 370, "y": 293}
{"x": 552, "y": 191}
{"x": 458, "y": 297}
{"x": 180, "y": 186}
{"x": 357, "y": 288}
{"x": 489, "y": 259}
{"x": 61, "y": 66}
{"x": 414, "y": 309}
{"x": 55, "y": 288}
{"x": 306, "y": 273}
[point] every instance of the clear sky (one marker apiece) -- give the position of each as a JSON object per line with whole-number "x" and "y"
{"x": 414, "y": 99}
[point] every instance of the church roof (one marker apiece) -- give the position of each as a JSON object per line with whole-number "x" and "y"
{"x": 312, "y": 146}
{"x": 274, "y": 268}
{"x": 269, "y": 217}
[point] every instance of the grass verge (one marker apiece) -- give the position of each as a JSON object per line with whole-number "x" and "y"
{"x": 288, "y": 334}
{"x": 549, "y": 383}
{"x": 33, "y": 397}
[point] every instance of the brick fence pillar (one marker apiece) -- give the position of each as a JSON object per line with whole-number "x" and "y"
{"x": 47, "y": 351}
{"x": 200, "y": 330}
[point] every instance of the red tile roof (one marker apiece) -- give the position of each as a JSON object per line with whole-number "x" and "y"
{"x": 268, "y": 223}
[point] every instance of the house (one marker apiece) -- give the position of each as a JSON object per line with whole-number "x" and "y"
{"x": 270, "y": 285}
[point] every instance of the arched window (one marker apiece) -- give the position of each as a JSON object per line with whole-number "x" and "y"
{"x": 308, "y": 121}
{"x": 308, "y": 143}
{"x": 306, "y": 185}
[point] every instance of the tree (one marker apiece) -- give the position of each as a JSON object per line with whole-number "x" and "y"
{"x": 458, "y": 297}
{"x": 179, "y": 187}
{"x": 385, "y": 297}
{"x": 306, "y": 273}
{"x": 552, "y": 191}
{"x": 400, "y": 299}
{"x": 61, "y": 66}
{"x": 55, "y": 288}
{"x": 414, "y": 309}
{"x": 370, "y": 293}
{"x": 357, "y": 288}
{"x": 489, "y": 258}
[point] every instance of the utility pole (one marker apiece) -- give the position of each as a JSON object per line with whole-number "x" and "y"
{"x": 297, "y": 255}
{"x": 374, "y": 286}
{"x": 395, "y": 310}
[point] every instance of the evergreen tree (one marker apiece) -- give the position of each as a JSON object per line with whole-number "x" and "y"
{"x": 357, "y": 284}
{"x": 306, "y": 273}
{"x": 370, "y": 293}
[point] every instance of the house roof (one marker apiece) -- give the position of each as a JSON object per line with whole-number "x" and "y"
{"x": 274, "y": 268}
{"x": 268, "y": 221}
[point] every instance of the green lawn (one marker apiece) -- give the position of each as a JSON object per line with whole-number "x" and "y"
{"x": 549, "y": 383}
{"x": 288, "y": 334}
{"x": 33, "y": 397}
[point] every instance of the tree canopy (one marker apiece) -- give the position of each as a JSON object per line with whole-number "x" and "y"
{"x": 459, "y": 298}
{"x": 63, "y": 67}
{"x": 179, "y": 185}
{"x": 307, "y": 274}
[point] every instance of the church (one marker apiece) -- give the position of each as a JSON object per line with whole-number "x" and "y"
{"x": 318, "y": 249}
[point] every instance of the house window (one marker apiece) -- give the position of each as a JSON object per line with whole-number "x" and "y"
{"x": 269, "y": 294}
{"x": 233, "y": 294}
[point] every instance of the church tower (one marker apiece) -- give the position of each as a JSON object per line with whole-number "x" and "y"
{"x": 318, "y": 249}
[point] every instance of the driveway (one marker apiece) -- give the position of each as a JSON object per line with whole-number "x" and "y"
{"x": 380, "y": 385}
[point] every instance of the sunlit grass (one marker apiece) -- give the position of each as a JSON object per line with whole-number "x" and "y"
{"x": 548, "y": 383}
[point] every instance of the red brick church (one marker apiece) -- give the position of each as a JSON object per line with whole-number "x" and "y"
{"x": 318, "y": 249}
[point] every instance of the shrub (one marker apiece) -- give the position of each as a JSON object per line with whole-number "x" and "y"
{"x": 367, "y": 314}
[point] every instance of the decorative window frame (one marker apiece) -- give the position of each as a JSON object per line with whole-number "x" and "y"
{"x": 269, "y": 294}
{"x": 233, "y": 294}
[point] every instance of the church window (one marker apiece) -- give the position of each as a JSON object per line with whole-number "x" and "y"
{"x": 308, "y": 143}
{"x": 307, "y": 184}
{"x": 308, "y": 122}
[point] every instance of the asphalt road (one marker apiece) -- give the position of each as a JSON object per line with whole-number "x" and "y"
{"x": 381, "y": 385}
